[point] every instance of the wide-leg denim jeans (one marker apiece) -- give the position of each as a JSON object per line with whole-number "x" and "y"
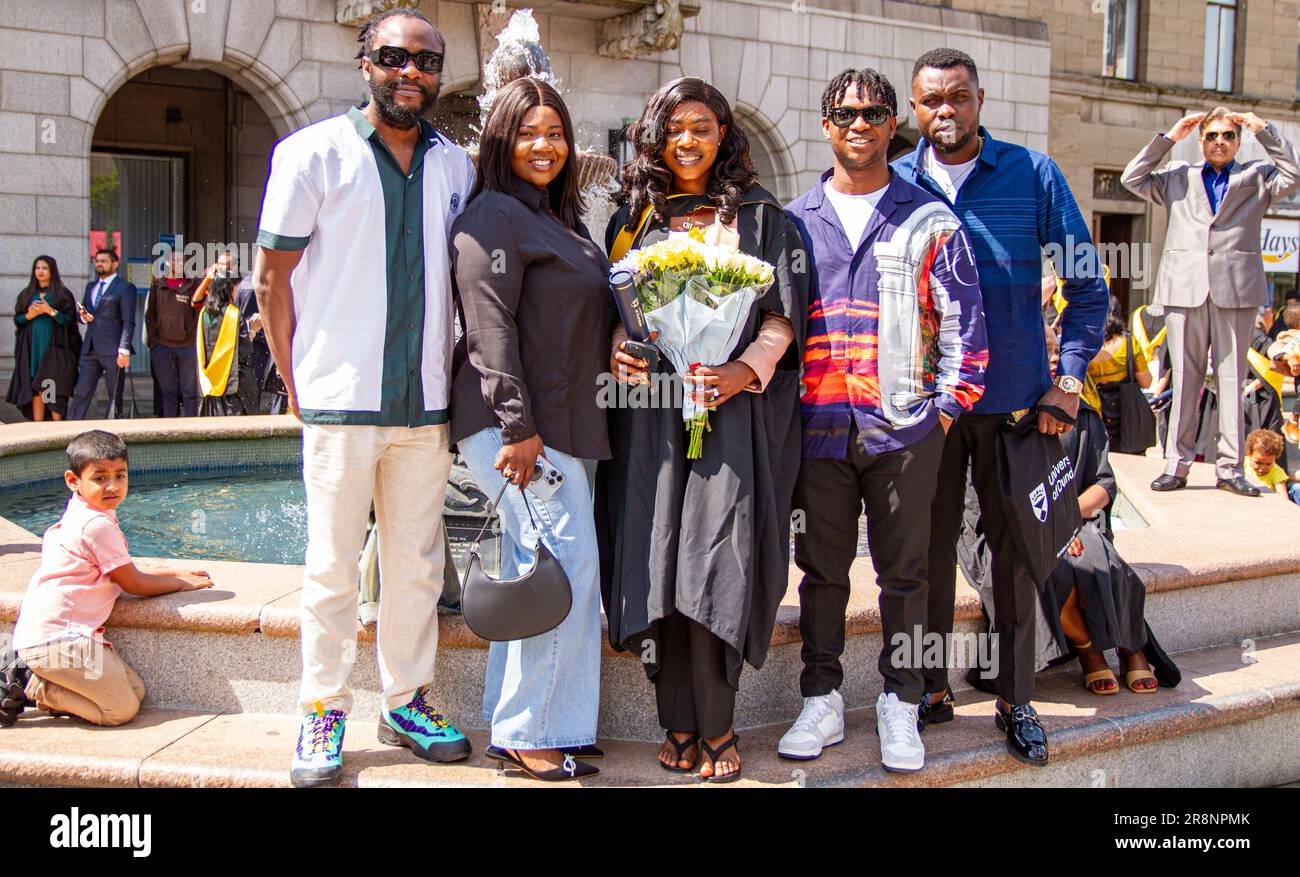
{"x": 544, "y": 692}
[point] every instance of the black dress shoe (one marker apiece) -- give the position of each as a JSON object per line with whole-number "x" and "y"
{"x": 935, "y": 713}
{"x": 571, "y": 769}
{"x": 1238, "y": 485}
{"x": 1026, "y": 739}
{"x": 1168, "y": 482}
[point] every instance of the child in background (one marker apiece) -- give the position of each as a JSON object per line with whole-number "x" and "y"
{"x": 60, "y": 660}
{"x": 1263, "y": 447}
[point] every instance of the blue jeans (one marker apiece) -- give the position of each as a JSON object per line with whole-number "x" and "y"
{"x": 544, "y": 692}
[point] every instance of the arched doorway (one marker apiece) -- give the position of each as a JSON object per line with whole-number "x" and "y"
{"x": 178, "y": 151}
{"x": 768, "y": 152}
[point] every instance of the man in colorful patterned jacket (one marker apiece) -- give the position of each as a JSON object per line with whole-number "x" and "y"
{"x": 896, "y": 351}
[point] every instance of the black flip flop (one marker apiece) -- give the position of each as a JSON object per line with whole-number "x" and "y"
{"x": 731, "y": 742}
{"x": 681, "y": 748}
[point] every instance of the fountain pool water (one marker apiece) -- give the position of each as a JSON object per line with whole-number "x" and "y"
{"x": 258, "y": 516}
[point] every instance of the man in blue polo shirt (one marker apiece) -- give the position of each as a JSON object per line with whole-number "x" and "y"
{"x": 1014, "y": 202}
{"x": 354, "y": 286}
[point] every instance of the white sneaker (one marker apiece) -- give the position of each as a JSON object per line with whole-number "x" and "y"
{"x": 820, "y": 724}
{"x": 901, "y": 748}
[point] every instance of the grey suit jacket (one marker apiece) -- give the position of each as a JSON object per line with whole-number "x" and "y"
{"x": 1213, "y": 255}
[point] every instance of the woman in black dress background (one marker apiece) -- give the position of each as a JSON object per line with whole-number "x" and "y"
{"x": 47, "y": 344}
{"x": 695, "y": 553}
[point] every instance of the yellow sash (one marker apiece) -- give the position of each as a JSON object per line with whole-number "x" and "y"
{"x": 626, "y": 237}
{"x": 1264, "y": 369}
{"x": 214, "y": 375}
{"x": 1147, "y": 344}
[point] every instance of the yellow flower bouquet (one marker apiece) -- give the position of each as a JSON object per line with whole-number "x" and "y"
{"x": 697, "y": 298}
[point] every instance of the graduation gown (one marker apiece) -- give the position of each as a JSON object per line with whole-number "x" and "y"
{"x": 60, "y": 368}
{"x": 1112, "y": 594}
{"x": 710, "y": 537}
{"x": 241, "y": 385}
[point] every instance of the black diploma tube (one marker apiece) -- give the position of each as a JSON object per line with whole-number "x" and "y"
{"x": 623, "y": 284}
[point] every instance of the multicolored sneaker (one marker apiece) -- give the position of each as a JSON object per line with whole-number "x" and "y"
{"x": 319, "y": 758}
{"x": 422, "y": 729}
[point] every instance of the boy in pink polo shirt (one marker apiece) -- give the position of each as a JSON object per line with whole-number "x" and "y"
{"x": 60, "y": 660}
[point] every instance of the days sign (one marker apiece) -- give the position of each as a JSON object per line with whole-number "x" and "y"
{"x": 1279, "y": 244}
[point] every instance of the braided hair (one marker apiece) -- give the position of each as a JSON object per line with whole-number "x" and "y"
{"x": 366, "y": 33}
{"x": 865, "y": 82}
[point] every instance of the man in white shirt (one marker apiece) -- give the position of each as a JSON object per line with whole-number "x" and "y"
{"x": 354, "y": 287}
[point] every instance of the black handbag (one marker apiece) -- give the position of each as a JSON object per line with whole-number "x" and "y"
{"x": 1130, "y": 422}
{"x": 1039, "y": 495}
{"x": 501, "y": 610}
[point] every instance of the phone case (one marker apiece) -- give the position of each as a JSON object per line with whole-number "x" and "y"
{"x": 546, "y": 480}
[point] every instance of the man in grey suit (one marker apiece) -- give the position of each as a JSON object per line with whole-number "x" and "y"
{"x": 1211, "y": 281}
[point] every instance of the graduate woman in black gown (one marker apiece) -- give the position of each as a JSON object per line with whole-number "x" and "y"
{"x": 695, "y": 553}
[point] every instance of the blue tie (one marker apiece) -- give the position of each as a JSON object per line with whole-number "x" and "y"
{"x": 95, "y": 296}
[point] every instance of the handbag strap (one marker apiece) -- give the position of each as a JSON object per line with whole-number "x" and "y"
{"x": 473, "y": 549}
{"x": 1128, "y": 357}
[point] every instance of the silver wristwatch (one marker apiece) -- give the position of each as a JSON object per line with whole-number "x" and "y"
{"x": 1068, "y": 384}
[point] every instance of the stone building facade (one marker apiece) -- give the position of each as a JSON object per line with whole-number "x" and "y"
{"x": 1098, "y": 122}
{"x": 207, "y": 86}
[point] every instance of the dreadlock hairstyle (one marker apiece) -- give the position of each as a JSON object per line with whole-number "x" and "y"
{"x": 497, "y": 145}
{"x": 366, "y": 33}
{"x": 866, "y": 83}
{"x": 945, "y": 59}
{"x": 646, "y": 179}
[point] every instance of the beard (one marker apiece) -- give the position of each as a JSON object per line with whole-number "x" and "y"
{"x": 395, "y": 115}
{"x": 945, "y": 139}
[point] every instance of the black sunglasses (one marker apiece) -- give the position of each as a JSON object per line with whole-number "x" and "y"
{"x": 843, "y": 117}
{"x": 1228, "y": 136}
{"x": 396, "y": 58}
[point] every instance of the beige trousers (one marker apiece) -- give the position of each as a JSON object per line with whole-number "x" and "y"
{"x": 403, "y": 470}
{"x": 85, "y": 678}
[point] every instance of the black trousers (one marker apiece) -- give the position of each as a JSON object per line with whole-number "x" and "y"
{"x": 972, "y": 443}
{"x": 90, "y": 368}
{"x": 691, "y": 687}
{"x": 897, "y": 489}
{"x": 176, "y": 369}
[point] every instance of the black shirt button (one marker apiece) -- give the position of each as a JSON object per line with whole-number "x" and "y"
{"x": 410, "y": 231}
{"x": 410, "y": 325}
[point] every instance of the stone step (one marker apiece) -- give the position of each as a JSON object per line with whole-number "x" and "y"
{"x": 1230, "y": 723}
{"x": 235, "y": 648}
{"x": 1211, "y": 579}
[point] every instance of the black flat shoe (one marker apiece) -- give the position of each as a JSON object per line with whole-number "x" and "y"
{"x": 1166, "y": 483}
{"x": 571, "y": 769}
{"x": 1238, "y": 485}
{"x": 681, "y": 748}
{"x": 496, "y": 753}
{"x": 1026, "y": 739}
{"x": 935, "y": 713}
